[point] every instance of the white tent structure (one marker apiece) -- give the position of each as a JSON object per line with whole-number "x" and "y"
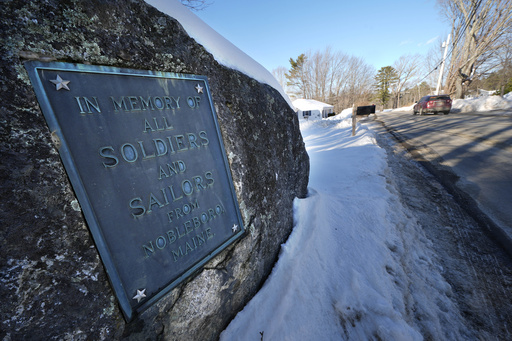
{"x": 311, "y": 109}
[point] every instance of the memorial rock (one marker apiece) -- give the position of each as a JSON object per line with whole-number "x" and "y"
{"x": 56, "y": 282}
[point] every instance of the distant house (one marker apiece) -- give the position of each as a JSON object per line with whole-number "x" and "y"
{"x": 311, "y": 109}
{"x": 482, "y": 92}
{"x": 479, "y": 93}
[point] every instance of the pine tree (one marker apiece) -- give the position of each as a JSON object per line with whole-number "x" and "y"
{"x": 297, "y": 75}
{"x": 507, "y": 88}
{"x": 384, "y": 79}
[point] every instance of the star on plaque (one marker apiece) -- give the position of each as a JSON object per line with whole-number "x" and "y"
{"x": 60, "y": 83}
{"x": 140, "y": 295}
{"x": 234, "y": 228}
{"x": 199, "y": 89}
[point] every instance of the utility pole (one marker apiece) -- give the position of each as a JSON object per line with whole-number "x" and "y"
{"x": 445, "y": 45}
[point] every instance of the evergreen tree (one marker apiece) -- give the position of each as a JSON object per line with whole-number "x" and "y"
{"x": 421, "y": 90}
{"x": 507, "y": 88}
{"x": 384, "y": 79}
{"x": 297, "y": 76}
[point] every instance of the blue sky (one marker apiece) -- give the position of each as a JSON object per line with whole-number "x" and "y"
{"x": 379, "y": 31}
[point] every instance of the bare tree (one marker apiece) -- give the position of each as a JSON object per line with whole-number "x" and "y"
{"x": 318, "y": 69}
{"x": 311, "y": 74}
{"x": 406, "y": 68}
{"x": 326, "y": 71}
{"x": 196, "y": 5}
{"x": 280, "y": 75}
{"x": 356, "y": 84}
{"x": 477, "y": 28}
{"x": 331, "y": 77}
{"x": 505, "y": 63}
{"x": 431, "y": 66}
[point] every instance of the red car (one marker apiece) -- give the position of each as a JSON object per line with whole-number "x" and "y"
{"x": 433, "y": 104}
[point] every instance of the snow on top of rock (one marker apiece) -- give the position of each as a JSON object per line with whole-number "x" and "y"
{"x": 223, "y": 50}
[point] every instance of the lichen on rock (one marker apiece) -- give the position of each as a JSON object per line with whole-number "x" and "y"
{"x": 53, "y": 282}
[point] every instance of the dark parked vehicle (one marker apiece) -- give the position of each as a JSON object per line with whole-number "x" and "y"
{"x": 433, "y": 104}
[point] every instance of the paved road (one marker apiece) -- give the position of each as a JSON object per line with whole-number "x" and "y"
{"x": 473, "y": 152}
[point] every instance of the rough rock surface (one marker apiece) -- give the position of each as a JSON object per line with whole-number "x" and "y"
{"x": 53, "y": 284}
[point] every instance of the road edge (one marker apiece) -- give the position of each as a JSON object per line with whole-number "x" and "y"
{"x": 448, "y": 179}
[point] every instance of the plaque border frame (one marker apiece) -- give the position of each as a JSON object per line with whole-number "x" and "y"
{"x": 78, "y": 187}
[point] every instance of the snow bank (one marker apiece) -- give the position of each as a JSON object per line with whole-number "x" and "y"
{"x": 347, "y": 113}
{"x": 479, "y": 104}
{"x": 223, "y": 50}
{"x": 344, "y": 114}
{"x": 486, "y": 103}
{"x": 357, "y": 265}
{"x": 409, "y": 108}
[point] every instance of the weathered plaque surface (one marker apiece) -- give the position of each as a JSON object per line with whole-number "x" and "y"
{"x": 145, "y": 157}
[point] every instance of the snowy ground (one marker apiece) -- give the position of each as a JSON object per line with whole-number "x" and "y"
{"x": 486, "y": 103}
{"x": 357, "y": 265}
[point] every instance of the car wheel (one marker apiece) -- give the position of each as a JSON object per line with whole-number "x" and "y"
{"x": 446, "y": 112}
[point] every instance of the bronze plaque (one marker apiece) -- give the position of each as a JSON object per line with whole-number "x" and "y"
{"x": 145, "y": 157}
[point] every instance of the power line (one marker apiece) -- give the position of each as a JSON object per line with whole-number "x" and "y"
{"x": 456, "y": 39}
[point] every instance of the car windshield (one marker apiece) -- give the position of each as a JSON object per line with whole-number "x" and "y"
{"x": 433, "y": 98}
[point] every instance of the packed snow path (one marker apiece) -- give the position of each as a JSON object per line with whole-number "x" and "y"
{"x": 358, "y": 265}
